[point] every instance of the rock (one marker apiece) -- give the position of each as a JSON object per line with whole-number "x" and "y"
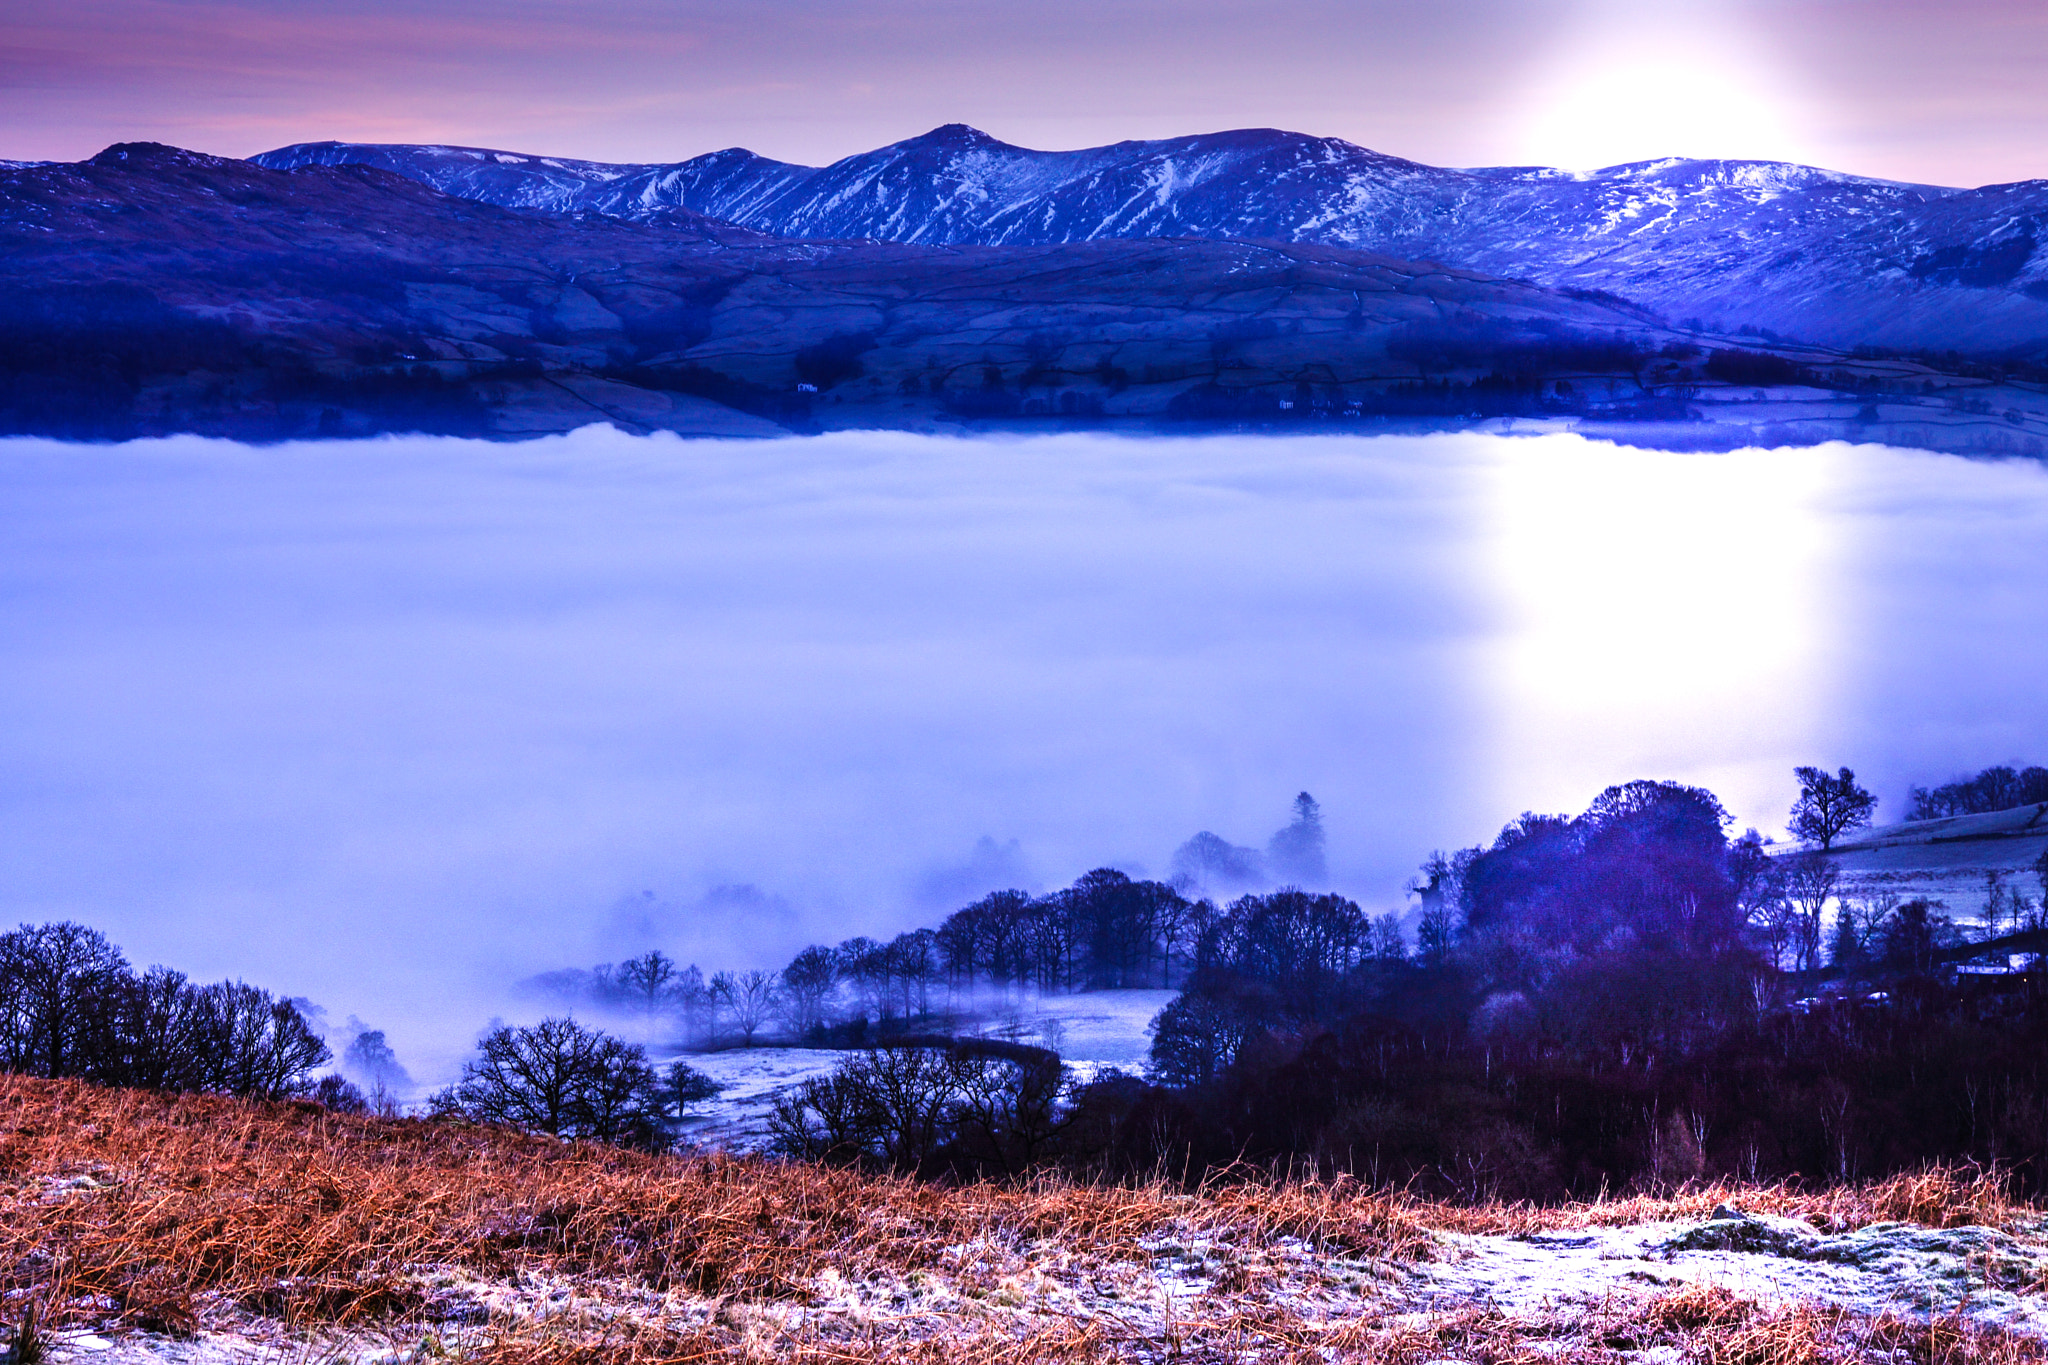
{"x": 1752, "y": 1232}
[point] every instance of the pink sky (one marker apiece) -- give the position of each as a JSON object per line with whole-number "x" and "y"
{"x": 1950, "y": 93}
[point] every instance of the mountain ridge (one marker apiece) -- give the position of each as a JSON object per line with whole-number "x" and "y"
{"x": 154, "y": 290}
{"x": 1799, "y": 251}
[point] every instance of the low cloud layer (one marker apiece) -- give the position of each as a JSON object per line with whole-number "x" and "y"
{"x": 391, "y": 723}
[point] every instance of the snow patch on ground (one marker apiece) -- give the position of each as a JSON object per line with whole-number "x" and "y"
{"x": 1094, "y": 1033}
{"x": 1983, "y": 1274}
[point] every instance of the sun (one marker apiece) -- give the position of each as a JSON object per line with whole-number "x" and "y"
{"x": 1636, "y": 86}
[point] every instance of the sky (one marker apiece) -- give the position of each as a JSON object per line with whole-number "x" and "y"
{"x": 1947, "y": 93}
{"x": 391, "y": 724}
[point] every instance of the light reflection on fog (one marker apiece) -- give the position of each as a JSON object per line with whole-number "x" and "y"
{"x": 389, "y": 723}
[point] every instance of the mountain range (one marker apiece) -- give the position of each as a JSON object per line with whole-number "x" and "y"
{"x": 953, "y": 283}
{"x": 1825, "y": 257}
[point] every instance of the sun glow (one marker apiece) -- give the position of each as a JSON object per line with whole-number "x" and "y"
{"x": 1664, "y": 615}
{"x": 1636, "y": 86}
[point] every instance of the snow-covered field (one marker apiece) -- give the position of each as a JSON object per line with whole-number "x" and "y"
{"x": 1983, "y": 1274}
{"x": 1950, "y": 860}
{"x": 1093, "y": 1033}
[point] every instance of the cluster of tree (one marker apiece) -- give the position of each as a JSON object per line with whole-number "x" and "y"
{"x": 70, "y": 1005}
{"x": 965, "y": 1107}
{"x": 560, "y": 1078}
{"x": 1756, "y": 369}
{"x": 1107, "y": 930}
{"x": 1595, "y": 1002}
{"x": 1628, "y": 918}
{"x": 1522, "y": 351}
{"x": 655, "y": 986}
{"x": 1459, "y": 1109}
{"x": 1999, "y": 788}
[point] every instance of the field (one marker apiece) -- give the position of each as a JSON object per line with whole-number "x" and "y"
{"x": 1949, "y": 860}
{"x": 136, "y": 1227}
{"x": 1093, "y": 1033}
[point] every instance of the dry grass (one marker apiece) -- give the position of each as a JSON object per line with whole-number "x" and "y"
{"x": 1938, "y": 1197}
{"x": 1709, "y": 1326}
{"x": 168, "y": 1213}
{"x": 145, "y": 1202}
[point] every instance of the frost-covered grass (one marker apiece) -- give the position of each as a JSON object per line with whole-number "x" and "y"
{"x": 208, "y": 1231}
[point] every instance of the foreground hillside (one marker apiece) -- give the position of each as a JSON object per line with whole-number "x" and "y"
{"x": 135, "y": 1227}
{"x": 152, "y": 291}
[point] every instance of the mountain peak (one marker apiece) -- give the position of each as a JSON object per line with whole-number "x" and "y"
{"x": 954, "y": 135}
{"x": 154, "y": 154}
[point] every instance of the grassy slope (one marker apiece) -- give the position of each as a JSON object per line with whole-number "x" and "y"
{"x": 1948, "y": 859}
{"x": 143, "y": 1214}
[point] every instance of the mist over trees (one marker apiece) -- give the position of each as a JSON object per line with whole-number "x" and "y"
{"x": 1625, "y": 998}
{"x": 1606, "y": 1001}
{"x": 1107, "y": 931}
{"x": 1993, "y": 789}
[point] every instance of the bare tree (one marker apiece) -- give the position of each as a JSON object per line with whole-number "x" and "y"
{"x": 807, "y": 983}
{"x": 692, "y": 1000}
{"x": 646, "y": 979}
{"x": 54, "y": 979}
{"x": 561, "y": 1078}
{"x": 748, "y": 998}
{"x": 1828, "y": 807}
{"x": 1811, "y": 882}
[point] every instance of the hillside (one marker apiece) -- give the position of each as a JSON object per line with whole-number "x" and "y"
{"x": 1951, "y": 859}
{"x": 153, "y": 1229}
{"x": 156, "y": 290}
{"x": 1829, "y": 258}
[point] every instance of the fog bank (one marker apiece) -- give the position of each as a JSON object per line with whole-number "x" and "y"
{"x": 391, "y": 723}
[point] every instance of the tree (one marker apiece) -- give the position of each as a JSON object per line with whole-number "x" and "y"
{"x": 807, "y": 982}
{"x": 977, "y": 1104}
{"x": 747, "y": 997}
{"x": 1208, "y": 862}
{"x": 371, "y": 1059}
{"x": 558, "y": 1077}
{"x": 54, "y": 978}
{"x": 1388, "y": 943}
{"x": 1845, "y": 946}
{"x": 1828, "y": 807}
{"x": 1811, "y": 881}
{"x": 1912, "y": 934}
{"x": 1194, "y": 1038}
{"x": 685, "y": 1085}
{"x": 1295, "y": 853}
{"x": 646, "y": 979}
{"x": 692, "y": 998}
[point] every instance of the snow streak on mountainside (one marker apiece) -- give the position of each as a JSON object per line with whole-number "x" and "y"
{"x": 1829, "y": 257}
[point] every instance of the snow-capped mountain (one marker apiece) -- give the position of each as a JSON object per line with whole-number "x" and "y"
{"x": 1811, "y": 253}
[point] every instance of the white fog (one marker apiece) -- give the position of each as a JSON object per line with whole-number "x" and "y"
{"x": 392, "y": 723}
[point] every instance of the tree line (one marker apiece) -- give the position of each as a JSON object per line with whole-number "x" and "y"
{"x": 1993, "y": 789}
{"x": 72, "y": 1006}
{"x": 1107, "y": 931}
